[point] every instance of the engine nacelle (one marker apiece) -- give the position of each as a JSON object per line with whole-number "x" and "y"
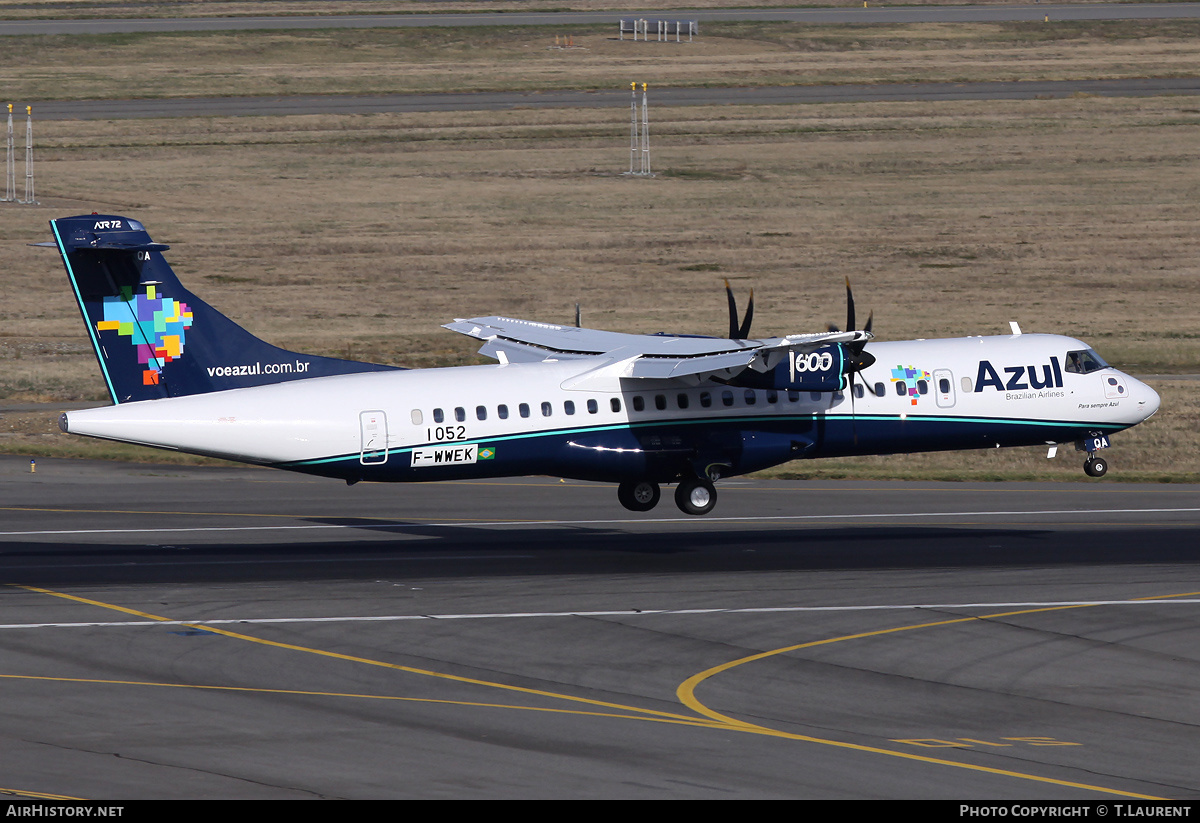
{"x": 822, "y": 370}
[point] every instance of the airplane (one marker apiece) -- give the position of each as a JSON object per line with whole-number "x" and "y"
{"x": 637, "y": 410}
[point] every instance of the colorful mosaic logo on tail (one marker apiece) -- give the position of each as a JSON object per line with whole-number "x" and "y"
{"x": 909, "y": 375}
{"x": 157, "y": 326}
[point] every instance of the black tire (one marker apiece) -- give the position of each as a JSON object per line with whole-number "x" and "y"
{"x": 696, "y": 497}
{"x": 1095, "y": 467}
{"x": 638, "y": 495}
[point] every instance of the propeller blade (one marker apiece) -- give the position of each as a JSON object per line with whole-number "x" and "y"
{"x": 853, "y": 415}
{"x": 857, "y": 348}
{"x": 733, "y": 312}
{"x": 849, "y": 307}
{"x": 871, "y": 389}
{"x": 856, "y": 353}
{"x": 578, "y": 316}
{"x": 744, "y": 331}
{"x": 737, "y": 332}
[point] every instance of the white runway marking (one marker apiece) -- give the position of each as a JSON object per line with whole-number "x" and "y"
{"x": 609, "y": 613}
{"x": 783, "y": 518}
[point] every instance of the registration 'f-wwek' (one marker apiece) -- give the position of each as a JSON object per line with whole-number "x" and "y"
{"x": 635, "y": 410}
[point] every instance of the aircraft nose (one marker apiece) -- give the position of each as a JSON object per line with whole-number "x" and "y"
{"x": 1148, "y": 400}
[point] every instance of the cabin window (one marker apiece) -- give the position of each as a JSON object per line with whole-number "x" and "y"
{"x": 439, "y": 416}
{"x": 481, "y": 412}
{"x": 502, "y": 412}
{"x": 901, "y": 388}
{"x": 615, "y": 404}
{"x": 705, "y": 399}
{"x": 922, "y": 387}
{"x": 593, "y": 407}
{"x": 879, "y": 390}
{"x": 417, "y": 417}
{"x": 523, "y": 409}
{"x": 858, "y": 391}
{"x": 751, "y": 397}
{"x": 966, "y": 384}
{"x": 943, "y": 385}
{"x": 682, "y": 400}
{"x": 460, "y": 414}
{"x": 638, "y": 403}
{"x": 547, "y": 410}
{"x": 660, "y": 401}
{"x": 772, "y": 397}
{"x": 793, "y": 396}
{"x": 727, "y": 397}
{"x": 569, "y": 406}
{"x": 814, "y": 396}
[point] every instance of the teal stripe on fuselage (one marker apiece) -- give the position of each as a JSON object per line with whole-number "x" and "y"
{"x": 742, "y": 421}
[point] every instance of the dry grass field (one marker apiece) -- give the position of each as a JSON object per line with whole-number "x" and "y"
{"x": 358, "y": 236}
{"x": 88, "y": 9}
{"x": 358, "y": 61}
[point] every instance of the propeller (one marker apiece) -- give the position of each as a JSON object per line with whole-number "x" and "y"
{"x": 856, "y": 353}
{"x": 858, "y": 358}
{"x": 737, "y": 332}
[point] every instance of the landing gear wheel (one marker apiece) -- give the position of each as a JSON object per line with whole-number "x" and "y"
{"x": 1095, "y": 467}
{"x": 638, "y": 495}
{"x": 695, "y": 496}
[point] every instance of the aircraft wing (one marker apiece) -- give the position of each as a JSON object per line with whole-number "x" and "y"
{"x": 639, "y": 356}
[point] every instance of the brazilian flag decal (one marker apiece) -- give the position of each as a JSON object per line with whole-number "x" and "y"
{"x": 486, "y": 453}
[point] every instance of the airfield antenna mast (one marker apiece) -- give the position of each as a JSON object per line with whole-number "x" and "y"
{"x": 29, "y": 199}
{"x": 633, "y": 125}
{"x": 10, "y": 170}
{"x": 639, "y": 134}
{"x": 645, "y": 134}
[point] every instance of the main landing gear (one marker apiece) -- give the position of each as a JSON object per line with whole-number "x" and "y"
{"x": 693, "y": 495}
{"x": 638, "y": 495}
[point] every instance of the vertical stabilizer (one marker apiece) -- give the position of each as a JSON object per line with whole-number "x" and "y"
{"x": 153, "y": 337}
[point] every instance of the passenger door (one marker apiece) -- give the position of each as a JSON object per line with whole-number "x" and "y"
{"x": 373, "y": 428}
{"x": 943, "y": 387}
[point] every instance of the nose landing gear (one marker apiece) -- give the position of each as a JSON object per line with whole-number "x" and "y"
{"x": 1095, "y": 466}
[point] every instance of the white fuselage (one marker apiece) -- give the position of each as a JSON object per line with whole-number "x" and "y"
{"x": 517, "y": 418}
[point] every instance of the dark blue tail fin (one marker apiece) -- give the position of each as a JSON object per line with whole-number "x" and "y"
{"x": 152, "y": 336}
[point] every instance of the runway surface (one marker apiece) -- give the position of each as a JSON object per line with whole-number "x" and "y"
{"x": 899, "y": 14}
{"x": 169, "y": 632}
{"x": 342, "y": 104}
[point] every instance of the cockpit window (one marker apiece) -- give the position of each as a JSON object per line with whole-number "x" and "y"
{"x": 1084, "y": 362}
